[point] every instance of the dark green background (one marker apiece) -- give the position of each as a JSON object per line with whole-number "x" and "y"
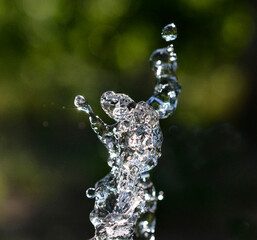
{"x": 52, "y": 50}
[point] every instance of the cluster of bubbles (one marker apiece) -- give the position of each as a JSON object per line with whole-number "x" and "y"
{"x": 126, "y": 199}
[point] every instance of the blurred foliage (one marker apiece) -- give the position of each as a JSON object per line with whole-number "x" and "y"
{"x": 52, "y": 50}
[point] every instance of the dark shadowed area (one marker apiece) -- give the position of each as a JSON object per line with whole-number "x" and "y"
{"x": 52, "y": 50}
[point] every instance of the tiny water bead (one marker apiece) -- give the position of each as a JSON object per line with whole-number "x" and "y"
{"x": 161, "y": 196}
{"x": 170, "y": 48}
{"x": 79, "y": 101}
{"x": 169, "y": 32}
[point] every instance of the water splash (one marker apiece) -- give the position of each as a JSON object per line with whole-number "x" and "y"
{"x": 126, "y": 199}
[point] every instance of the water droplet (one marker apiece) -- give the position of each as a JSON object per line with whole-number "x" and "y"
{"x": 79, "y": 101}
{"x": 169, "y": 32}
{"x": 90, "y": 193}
{"x": 170, "y": 48}
{"x": 163, "y": 62}
{"x": 161, "y": 195}
{"x": 159, "y": 57}
{"x": 173, "y": 56}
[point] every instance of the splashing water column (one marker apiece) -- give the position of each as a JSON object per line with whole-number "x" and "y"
{"x": 126, "y": 199}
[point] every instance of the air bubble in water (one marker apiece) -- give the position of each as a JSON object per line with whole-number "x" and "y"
{"x": 169, "y": 32}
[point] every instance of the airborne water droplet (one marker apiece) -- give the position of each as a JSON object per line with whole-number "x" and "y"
{"x": 79, "y": 101}
{"x": 161, "y": 195}
{"x": 169, "y": 32}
